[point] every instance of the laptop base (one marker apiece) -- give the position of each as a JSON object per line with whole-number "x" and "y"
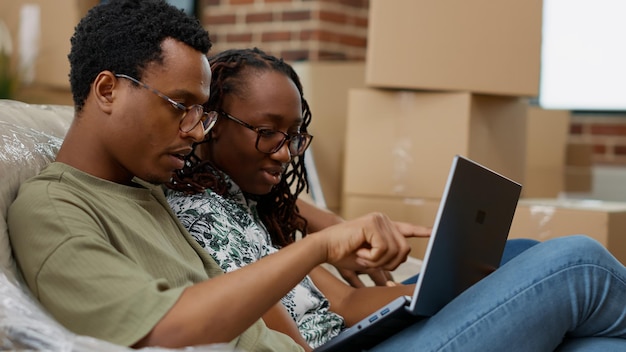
{"x": 369, "y": 332}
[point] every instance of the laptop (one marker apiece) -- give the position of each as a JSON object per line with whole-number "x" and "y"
{"x": 466, "y": 244}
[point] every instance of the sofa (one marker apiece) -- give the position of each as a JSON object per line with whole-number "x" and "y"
{"x": 30, "y": 136}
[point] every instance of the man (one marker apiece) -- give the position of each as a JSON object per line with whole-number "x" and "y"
{"x": 93, "y": 235}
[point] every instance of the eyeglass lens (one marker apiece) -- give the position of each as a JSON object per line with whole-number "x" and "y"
{"x": 191, "y": 115}
{"x": 196, "y": 114}
{"x": 271, "y": 141}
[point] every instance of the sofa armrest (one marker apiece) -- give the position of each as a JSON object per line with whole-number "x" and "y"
{"x": 30, "y": 136}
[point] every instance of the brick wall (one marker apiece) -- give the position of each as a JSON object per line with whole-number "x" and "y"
{"x": 293, "y": 29}
{"x": 605, "y": 132}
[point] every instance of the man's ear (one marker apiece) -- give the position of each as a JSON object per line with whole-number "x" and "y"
{"x": 104, "y": 88}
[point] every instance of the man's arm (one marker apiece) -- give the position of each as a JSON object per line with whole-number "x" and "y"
{"x": 367, "y": 242}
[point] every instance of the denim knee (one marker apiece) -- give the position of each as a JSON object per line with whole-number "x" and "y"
{"x": 582, "y": 247}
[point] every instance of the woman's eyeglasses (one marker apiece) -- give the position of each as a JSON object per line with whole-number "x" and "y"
{"x": 270, "y": 141}
{"x": 192, "y": 115}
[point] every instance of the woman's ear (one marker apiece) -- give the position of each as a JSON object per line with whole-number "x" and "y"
{"x": 215, "y": 131}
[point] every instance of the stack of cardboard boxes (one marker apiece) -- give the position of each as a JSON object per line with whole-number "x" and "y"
{"x": 443, "y": 78}
{"x": 326, "y": 85}
{"x": 546, "y": 218}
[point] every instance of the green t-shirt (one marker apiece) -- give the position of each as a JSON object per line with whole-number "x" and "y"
{"x": 109, "y": 260}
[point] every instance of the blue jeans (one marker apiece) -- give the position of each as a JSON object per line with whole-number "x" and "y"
{"x": 566, "y": 294}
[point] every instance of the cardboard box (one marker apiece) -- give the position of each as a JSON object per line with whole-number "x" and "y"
{"x": 578, "y": 179}
{"x": 544, "y": 183}
{"x": 547, "y": 132}
{"x": 579, "y": 155}
{"x": 325, "y": 85}
{"x": 401, "y": 143}
{"x": 414, "y": 210}
{"x": 543, "y": 219}
{"x": 50, "y": 31}
{"x": 579, "y": 168}
{"x": 482, "y": 46}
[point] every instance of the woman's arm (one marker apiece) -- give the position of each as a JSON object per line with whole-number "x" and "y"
{"x": 317, "y": 218}
{"x": 354, "y": 304}
{"x": 279, "y": 319}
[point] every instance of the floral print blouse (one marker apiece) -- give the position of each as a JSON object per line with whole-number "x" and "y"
{"x": 228, "y": 227}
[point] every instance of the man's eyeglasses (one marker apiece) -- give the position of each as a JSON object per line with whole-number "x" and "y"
{"x": 270, "y": 141}
{"x": 192, "y": 115}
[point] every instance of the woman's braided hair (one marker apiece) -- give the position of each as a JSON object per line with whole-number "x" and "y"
{"x": 277, "y": 209}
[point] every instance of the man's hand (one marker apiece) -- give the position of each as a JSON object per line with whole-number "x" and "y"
{"x": 409, "y": 230}
{"x": 372, "y": 241}
{"x": 378, "y": 276}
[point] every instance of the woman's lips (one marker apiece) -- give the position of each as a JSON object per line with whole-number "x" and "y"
{"x": 274, "y": 175}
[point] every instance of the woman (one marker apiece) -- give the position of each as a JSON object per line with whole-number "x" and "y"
{"x": 239, "y": 197}
{"x": 228, "y": 221}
